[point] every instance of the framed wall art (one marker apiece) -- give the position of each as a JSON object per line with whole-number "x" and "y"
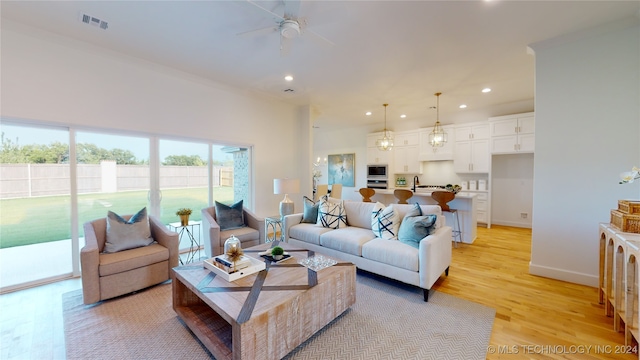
{"x": 342, "y": 169}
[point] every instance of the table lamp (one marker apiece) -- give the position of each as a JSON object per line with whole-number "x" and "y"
{"x": 286, "y": 187}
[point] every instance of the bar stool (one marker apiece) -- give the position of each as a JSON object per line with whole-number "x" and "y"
{"x": 443, "y": 197}
{"x": 367, "y": 193}
{"x": 402, "y": 195}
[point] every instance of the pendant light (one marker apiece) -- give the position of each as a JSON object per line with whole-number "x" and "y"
{"x": 386, "y": 143}
{"x": 437, "y": 137}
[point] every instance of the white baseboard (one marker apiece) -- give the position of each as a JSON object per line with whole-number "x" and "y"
{"x": 511, "y": 223}
{"x": 564, "y": 275}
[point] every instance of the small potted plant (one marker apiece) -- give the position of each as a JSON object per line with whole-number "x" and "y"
{"x": 277, "y": 252}
{"x": 184, "y": 215}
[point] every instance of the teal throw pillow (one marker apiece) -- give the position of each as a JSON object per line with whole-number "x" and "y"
{"x": 124, "y": 235}
{"x": 310, "y": 213}
{"x": 415, "y": 228}
{"x": 230, "y": 217}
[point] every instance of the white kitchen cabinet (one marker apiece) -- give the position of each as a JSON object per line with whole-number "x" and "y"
{"x": 405, "y": 153}
{"x": 406, "y": 138}
{"x": 473, "y": 131}
{"x": 513, "y": 133}
{"x": 405, "y": 160}
{"x": 482, "y": 207}
{"x": 376, "y": 156}
{"x": 430, "y": 153}
{"x": 471, "y": 148}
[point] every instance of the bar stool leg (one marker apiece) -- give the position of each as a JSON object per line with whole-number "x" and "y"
{"x": 457, "y": 233}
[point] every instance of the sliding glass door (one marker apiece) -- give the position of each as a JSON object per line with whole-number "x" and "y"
{"x": 55, "y": 179}
{"x": 35, "y": 205}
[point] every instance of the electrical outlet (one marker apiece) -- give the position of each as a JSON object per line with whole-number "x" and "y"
{"x": 524, "y": 215}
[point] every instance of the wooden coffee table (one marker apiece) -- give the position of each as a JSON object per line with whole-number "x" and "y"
{"x": 263, "y": 315}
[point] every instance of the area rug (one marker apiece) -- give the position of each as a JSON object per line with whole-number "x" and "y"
{"x": 390, "y": 320}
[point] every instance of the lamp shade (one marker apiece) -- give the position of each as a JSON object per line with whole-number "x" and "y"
{"x": 286, "y": 186}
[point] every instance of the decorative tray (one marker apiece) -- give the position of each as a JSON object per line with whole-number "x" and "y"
{"x": 317, "y": 262}
{"x": 256, "y": 265}
{"x": 267, "y": 255}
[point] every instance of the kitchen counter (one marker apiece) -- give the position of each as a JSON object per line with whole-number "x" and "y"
{"x": 464, "y": 203}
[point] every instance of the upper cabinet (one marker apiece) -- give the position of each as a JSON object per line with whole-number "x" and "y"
{"x": 406, "y": 151}
{"x": 430, "y": 153}
{"x": 512, "y": 133}
{"x": 471, "y": 148}
{"x": 375, "y": 156}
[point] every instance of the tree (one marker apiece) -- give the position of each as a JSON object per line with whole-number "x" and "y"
{"x": 184, "y": 160}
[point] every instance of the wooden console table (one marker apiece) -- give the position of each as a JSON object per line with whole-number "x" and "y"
{"x": 618, "y": 280}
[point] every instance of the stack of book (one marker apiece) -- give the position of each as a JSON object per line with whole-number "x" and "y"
{"x": 223, "y": 262}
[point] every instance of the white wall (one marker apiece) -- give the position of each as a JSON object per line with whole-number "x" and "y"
{"x": 587, "y": 126}
{"x": 512, "y": 189}
{"x": 48, "y": 78}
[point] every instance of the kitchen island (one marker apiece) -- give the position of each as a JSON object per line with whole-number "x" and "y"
{"x": 464, "y": 203}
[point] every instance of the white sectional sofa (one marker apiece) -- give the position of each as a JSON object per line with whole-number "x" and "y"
{"x": 358, "y": 244}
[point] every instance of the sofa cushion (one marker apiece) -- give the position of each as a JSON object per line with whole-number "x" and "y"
{"x": 415, "y": 228}
{"x": 426, "y": 210}
{"x": 392, "y": 253}
{"x": 310, "y": 212}
{"x": 307, "y": 232}
{"x": 359, "y": 213}
{"x": 331, "y": 214}
{"x": 243, "y": 234}
{"x": 385, "y": 222}
{"x": 123, "y": 234}
{"x": 115, "y": 263}
{"x": 230, "y": 217}
{"x": 348, "y": 240}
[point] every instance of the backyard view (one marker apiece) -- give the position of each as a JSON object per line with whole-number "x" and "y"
{"x": 111, "y": 172}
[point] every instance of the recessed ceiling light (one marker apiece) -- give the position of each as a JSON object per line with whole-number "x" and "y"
{"x": 486, "y": 90}
{"x": 403, "y": 116}
{"x": 288, "y": 78}
{"x": 463, "y": 106}
{"x": 368, "y": 113}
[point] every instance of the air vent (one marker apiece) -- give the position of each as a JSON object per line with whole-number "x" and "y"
{"x": 88, "y": 19}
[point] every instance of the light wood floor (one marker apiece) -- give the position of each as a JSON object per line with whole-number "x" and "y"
{"x": 535, "y": 316}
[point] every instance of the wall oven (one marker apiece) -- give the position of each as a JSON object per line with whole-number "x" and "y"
{"x": 377, "y": 176}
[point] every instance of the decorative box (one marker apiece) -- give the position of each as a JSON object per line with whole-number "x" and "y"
{"x": 625, "y": 222}
{"x": 629, "y": 206}
{"x": 256, "y": 266}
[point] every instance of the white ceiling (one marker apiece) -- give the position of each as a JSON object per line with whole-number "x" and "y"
{"x": 396, "y": 52}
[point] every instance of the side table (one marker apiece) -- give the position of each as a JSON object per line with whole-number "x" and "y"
{"x": 273, "y": 223}
{"x": 188, "y": 231}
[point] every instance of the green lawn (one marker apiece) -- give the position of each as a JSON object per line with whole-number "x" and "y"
{"x": 43, "y": 219}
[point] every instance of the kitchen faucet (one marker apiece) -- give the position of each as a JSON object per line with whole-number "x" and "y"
{"x": 416, "y": 181}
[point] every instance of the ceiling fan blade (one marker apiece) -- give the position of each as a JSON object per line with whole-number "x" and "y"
{"x": 291, "y": 8}
{"x": 265, "y": 30}
{"x": 280, "y": 18}
{"x": 319, "y": 37}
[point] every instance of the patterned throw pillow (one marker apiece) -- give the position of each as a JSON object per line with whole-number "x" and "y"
{"x": 385, "y": 222}
{"x": 124, "y": 235}
{"x": 230, "y": 217}
{"x": 310, "y": 213}
{"x": 331, "y": 214}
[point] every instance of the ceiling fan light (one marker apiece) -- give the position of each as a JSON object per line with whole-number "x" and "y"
{"x": 290, "y": 29}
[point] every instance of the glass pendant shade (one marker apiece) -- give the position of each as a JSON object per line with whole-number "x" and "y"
{"x": 437, "y": 137}
{"x": 386, "y": 142}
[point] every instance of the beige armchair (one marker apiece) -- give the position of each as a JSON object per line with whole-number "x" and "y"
{"x": 250, "y": 235}
{"x": 107, "y": 275}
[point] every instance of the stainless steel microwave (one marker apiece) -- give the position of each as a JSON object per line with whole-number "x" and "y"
{"x": 377, "y": 171}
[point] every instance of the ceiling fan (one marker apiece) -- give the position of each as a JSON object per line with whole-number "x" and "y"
{"x": 289, "y": 25}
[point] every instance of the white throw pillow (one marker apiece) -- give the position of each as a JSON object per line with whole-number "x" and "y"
{"x": 385, "y": 222}
{"x": 331, "y": 214}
